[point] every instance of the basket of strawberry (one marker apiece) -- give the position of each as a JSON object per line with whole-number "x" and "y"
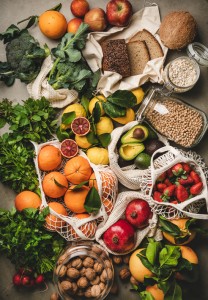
{"x": 177, "y": 183}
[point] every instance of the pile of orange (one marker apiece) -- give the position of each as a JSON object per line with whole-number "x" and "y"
{"x": 88, "y": 229}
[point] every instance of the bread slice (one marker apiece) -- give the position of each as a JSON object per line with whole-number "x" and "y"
{"x": 115, "y": 57}
{"x": 153, "y": 45}
{"x": 138, "y": 56}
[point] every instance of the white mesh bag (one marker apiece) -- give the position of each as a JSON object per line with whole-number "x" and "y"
{"x": 129, "y": 176}
{"x": 70, "y": 227}
{"x": 118, "y": 213}
{"x": 170, "y": 157}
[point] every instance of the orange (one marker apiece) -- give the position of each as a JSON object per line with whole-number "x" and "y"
{"x": 52, "y": 24}
{"x": 75, "y": 199}
{"x": 157, "y": 293}
{"x": 88, "y": 229}
{"x": 27, "y": 199}
{"x": 77, "y": 170}
{"x": 189, "y": 254}
{"x": 108, "y": 205}
{"x": 53, "y": 222}
{"x": 137, "y": 269}
{"x": 54, "y": 184}
{"x": 129, "y": 117}
{"x": 181, "y": 223}
{"x": 93, "y": 181}
{"x": 108, "y": 184}
{"x": 49, "y": 158}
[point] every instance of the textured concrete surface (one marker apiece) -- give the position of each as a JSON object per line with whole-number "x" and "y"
{"x": 13, "y": 11}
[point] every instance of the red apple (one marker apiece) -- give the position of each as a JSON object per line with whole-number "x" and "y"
{"x": 138, "y": 213}
{"x": 96, "y": 19}
{"x": 73, "y": 25}
{"x": 119, "y": 237}
{"x": 118, "y": 12}
{"x": 79, "y": 8}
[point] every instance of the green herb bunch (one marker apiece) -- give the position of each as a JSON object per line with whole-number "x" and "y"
{"x": 164, "y": 261}
{"x": 70, "y": 70}
{"x": 25, "y": 241}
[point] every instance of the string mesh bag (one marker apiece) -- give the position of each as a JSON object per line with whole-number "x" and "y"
{"x": 171, "y": 156}
{"x": 119, "y": 213}
{"x": 129, "y": 176}
{"x": 69, "y": 225}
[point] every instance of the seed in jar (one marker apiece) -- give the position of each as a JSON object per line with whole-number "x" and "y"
{"x": 182, "y": 72}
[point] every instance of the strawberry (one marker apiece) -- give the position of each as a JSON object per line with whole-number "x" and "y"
{"x": 181, "y": 193}
{"x": 174, "y": 202}
{"x": 167, "y": 182}
{"x": 186, "y": 168}
{"x": 186, "y": 181}
{"x": 161, "y": 187}
{"x": 162, "y": 177}
{"x": 169, "y": 173}
{"x": 169, "y": 191}
{"x": 157, "y": 196}
{"x": 177, "y": 169}
{"x": 195, "y": 176}
{"x": 196, "y": 188}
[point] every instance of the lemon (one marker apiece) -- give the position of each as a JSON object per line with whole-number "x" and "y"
{"x": 130, "y": 116}
{"x": 105, "y": 125}
{"x": 98, "y": 156}
{"x": 82, "y": 142}
{"x": 79, "y": 112}
{"x": 93, "y": 101}
{"x": 139, "y": 93}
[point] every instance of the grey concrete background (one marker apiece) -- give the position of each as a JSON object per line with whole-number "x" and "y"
{"x": 12, "y": 11}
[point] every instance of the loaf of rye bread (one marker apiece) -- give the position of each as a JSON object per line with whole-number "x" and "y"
{"x": 115, "y": 57}
{"x": 153, "y": 45}
{"x": 138, "y": 56}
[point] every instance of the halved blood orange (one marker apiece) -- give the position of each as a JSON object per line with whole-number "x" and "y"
{"x": 69, "y": 148}
{"x": 80, "y": 126}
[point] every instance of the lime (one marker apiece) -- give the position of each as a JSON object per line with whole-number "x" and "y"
{"x": 142, "y": 161}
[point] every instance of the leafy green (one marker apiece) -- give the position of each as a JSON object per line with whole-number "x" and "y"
{"x": 169, "y": 256}
{"x": 70, "y": 70}
{"x": 123, "y": 98}
{"x": 113, "y": 110}
{"x": 92, "y": 201}
{"x": 24, "y": 240}
{"x": 152, "y": 251}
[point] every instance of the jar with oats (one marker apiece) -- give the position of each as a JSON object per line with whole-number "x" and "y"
{"x": 178, "y": 121}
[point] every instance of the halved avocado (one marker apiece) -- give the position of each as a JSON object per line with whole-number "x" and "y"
{"x": 136, "y": 134}
{"x": 131, "y": 150}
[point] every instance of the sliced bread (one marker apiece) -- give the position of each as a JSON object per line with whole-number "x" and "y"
{"x": 115, "y": 57}
{"x": 138, "y": 56}
{"x": 153, "y": 45}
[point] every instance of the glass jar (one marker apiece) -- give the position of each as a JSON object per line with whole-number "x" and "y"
{"x": 83, "y": 270}
{"x": 178, "y": 121}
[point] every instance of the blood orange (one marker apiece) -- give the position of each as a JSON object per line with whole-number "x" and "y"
{"x": 69, "y": 148}
{"x": 80, "y": 126}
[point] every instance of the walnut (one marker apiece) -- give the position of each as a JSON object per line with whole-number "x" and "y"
{"x": 108, "y": 263}
{"x": 74, "y": 288}
{"x": 109, "y": 273}
{"x": 98, "y": 267}
{"x": 102, "y": 286}
{"x": 88, "y": 262}
{"x": 133, "y": 281}
{"x": 61, "y": 270}
{"x": 62, "y": 258}
{"x": 73, "y": 273}
{"x": 69, "y": 265}
{"x": 126, "y": 259}
{"x": 97, "y": 249}
{"x": 66, "y": 285}
{"x": 124, "y": 273}
{"x": 54, "y": 296}
{"x": 76, "y": 263}
{"x": 95, "y": 281}
{"x": 117, "y": 260}
{"x": 103, "y": 276}
{"x": 80, "y": 293}
{"x": 90, "y": 273}
{"x": 88, "y": 293}
{"x": 95, "y": 291}
{"x": 82, "y": 271}
{"x": 82, "y": 282}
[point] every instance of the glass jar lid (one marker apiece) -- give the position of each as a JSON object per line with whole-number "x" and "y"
{"x": 199, "y": 52}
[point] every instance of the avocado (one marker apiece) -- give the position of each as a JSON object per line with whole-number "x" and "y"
{"x": 137, "y": 134}
{"x": 152, "y": 145}
{"x": 131, "y": 150}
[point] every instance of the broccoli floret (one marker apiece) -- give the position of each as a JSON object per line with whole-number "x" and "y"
{"x": 25, "y": 57}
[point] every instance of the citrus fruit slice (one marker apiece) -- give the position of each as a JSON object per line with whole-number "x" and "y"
{"x": 69, "y": 148}
{"x": 80, "y": 126}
